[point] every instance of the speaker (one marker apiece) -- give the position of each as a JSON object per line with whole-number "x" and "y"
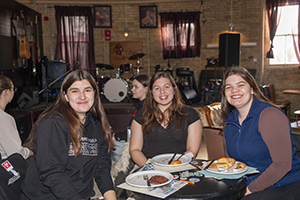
{"x": 25, "y": 101}
{"x": 55, "y": 69}
{"x": 229, "y": 49}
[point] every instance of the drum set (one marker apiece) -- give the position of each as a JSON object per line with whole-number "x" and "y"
{"x": 117, "y": 88}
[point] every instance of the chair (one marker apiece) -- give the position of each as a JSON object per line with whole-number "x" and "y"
{"x": 269, "y": 91}
{"x": 297, "y": 113}
{"x": 210, "y": 116}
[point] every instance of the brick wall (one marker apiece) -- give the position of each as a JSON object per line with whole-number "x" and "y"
{"x": 247, "y": 17}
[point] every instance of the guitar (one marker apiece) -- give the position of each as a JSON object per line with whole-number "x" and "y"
{"x": 24, "y": 45}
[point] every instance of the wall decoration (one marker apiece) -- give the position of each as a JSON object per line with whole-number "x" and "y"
{"x": 121, "y": 51}
{"x": 148, "y": 16}
{"x": 102, "y": 16}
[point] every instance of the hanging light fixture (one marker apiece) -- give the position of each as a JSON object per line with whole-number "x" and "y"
{"x": 231, "y": 25}
{"x": 126, "y": 28}
{"x": 126, "y": 32}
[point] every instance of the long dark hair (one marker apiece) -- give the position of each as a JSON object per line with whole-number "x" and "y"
{"x": 244, "y": 73}
{"x": 62, "y": 107}
{"x": 152, "y": 114}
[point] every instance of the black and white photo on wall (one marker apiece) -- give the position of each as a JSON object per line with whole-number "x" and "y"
{"x": 148, "y": 16}
{"x": 102, "y": 17}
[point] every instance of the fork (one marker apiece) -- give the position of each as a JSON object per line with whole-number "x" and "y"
{"x": 145, "y": 177}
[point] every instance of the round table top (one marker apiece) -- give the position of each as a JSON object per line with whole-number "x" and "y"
{"x": 210, "y": 188}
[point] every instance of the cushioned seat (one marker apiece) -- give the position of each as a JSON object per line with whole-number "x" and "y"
{"x": 213, "y": 130}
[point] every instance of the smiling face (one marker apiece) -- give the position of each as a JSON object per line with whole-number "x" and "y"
{"x": 80, "y": 96}
{"x": 138, "y": 90}
{"x": 238, "y": 92}
{"x": 163, "y": 93}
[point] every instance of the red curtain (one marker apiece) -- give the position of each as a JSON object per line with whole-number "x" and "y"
{"x": 272, "y": 10}
{"x": 75, "y": 37}
{"x": 181, "y": 36}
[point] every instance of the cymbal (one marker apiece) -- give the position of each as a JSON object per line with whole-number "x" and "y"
{"x": 136, "y": 56}
{"x": 104, "y": 66}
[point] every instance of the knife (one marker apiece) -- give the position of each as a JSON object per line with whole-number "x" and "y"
{"x": 211, "y": 162}
{"x": 170, "y": 161}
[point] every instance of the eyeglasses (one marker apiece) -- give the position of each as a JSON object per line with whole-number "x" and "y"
{"x": 14, "y": 89}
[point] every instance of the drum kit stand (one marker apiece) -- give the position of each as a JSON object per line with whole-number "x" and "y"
{"x": 118, "y": 88}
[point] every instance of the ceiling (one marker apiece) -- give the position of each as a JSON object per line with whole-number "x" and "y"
{"x": 95, "y": 2}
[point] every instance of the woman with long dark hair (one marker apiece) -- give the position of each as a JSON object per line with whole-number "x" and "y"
{"x": 71, "y": 142}
{"x": 164, "y": 124}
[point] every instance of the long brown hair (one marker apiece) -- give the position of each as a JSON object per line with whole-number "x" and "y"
{"x": 244, "y": 73}
{"x": 152, "y": 114}
{"x": 62, "y": 107}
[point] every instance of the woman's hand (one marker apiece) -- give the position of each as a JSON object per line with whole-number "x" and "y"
{"x": 247, "y": 191}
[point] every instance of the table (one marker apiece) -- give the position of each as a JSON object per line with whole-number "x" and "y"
{"x": 292, "y": 91}
{"x": 207, "y": 188}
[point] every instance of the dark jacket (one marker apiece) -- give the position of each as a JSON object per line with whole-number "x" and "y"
{"x": 53, "y": 171}
{"x": 245, "y": 143}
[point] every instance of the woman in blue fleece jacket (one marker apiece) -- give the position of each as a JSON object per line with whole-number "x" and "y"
{"x": 71, "y": 142}
{"x": 258, "y": 134}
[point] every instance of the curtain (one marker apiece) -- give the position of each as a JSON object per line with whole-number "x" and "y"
{"x": 181, "y": 36}
{"x": 75, "y": 37}
{"x": 272, "y": 12}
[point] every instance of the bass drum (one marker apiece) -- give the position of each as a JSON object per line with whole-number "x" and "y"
{"x": 115, "y": 89}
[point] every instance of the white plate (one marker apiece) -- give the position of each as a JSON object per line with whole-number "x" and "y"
{"x": 231, "y": 170}
{"x": 163, "y": 160}
{"x": 137, "y": 180}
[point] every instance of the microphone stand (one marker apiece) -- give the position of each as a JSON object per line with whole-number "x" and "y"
{"x": 47, "y": 89}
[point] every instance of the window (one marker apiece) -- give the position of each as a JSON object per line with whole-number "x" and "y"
{"x": 77, "y": 36}
{"x": 183, "y": 39}
{"x": 285, "y": 37}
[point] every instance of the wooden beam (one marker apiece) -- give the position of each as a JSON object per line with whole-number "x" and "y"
{"x": 99, "y": 2}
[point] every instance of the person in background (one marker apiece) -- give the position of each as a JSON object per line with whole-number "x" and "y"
{"x": 71, "y": 142}
{"x": 258, "y": 134}
{"x": 10, "y": 141}
{"x": 164, "y": 124}
{"x": 139, "y": 91}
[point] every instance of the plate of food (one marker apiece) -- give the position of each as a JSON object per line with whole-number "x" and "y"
{"x": 156, "y": 178}
{"x": 163, "y": 160}
{"x": 227, "y": 166}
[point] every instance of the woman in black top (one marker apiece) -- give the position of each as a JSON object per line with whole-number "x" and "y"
{"x": 165, "y": 124}
{"x": 139, "y": 91}
{"x": 71, "y": 142}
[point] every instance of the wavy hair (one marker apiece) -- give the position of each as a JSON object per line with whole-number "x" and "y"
{"x": 244, "y": 73}
{"x": 152, "y": 115}
{"x": 63, "y": 108}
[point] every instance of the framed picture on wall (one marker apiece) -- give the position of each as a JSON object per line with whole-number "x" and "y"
{"x": 148, "y": 16}
{"x": 102, "y": 16}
